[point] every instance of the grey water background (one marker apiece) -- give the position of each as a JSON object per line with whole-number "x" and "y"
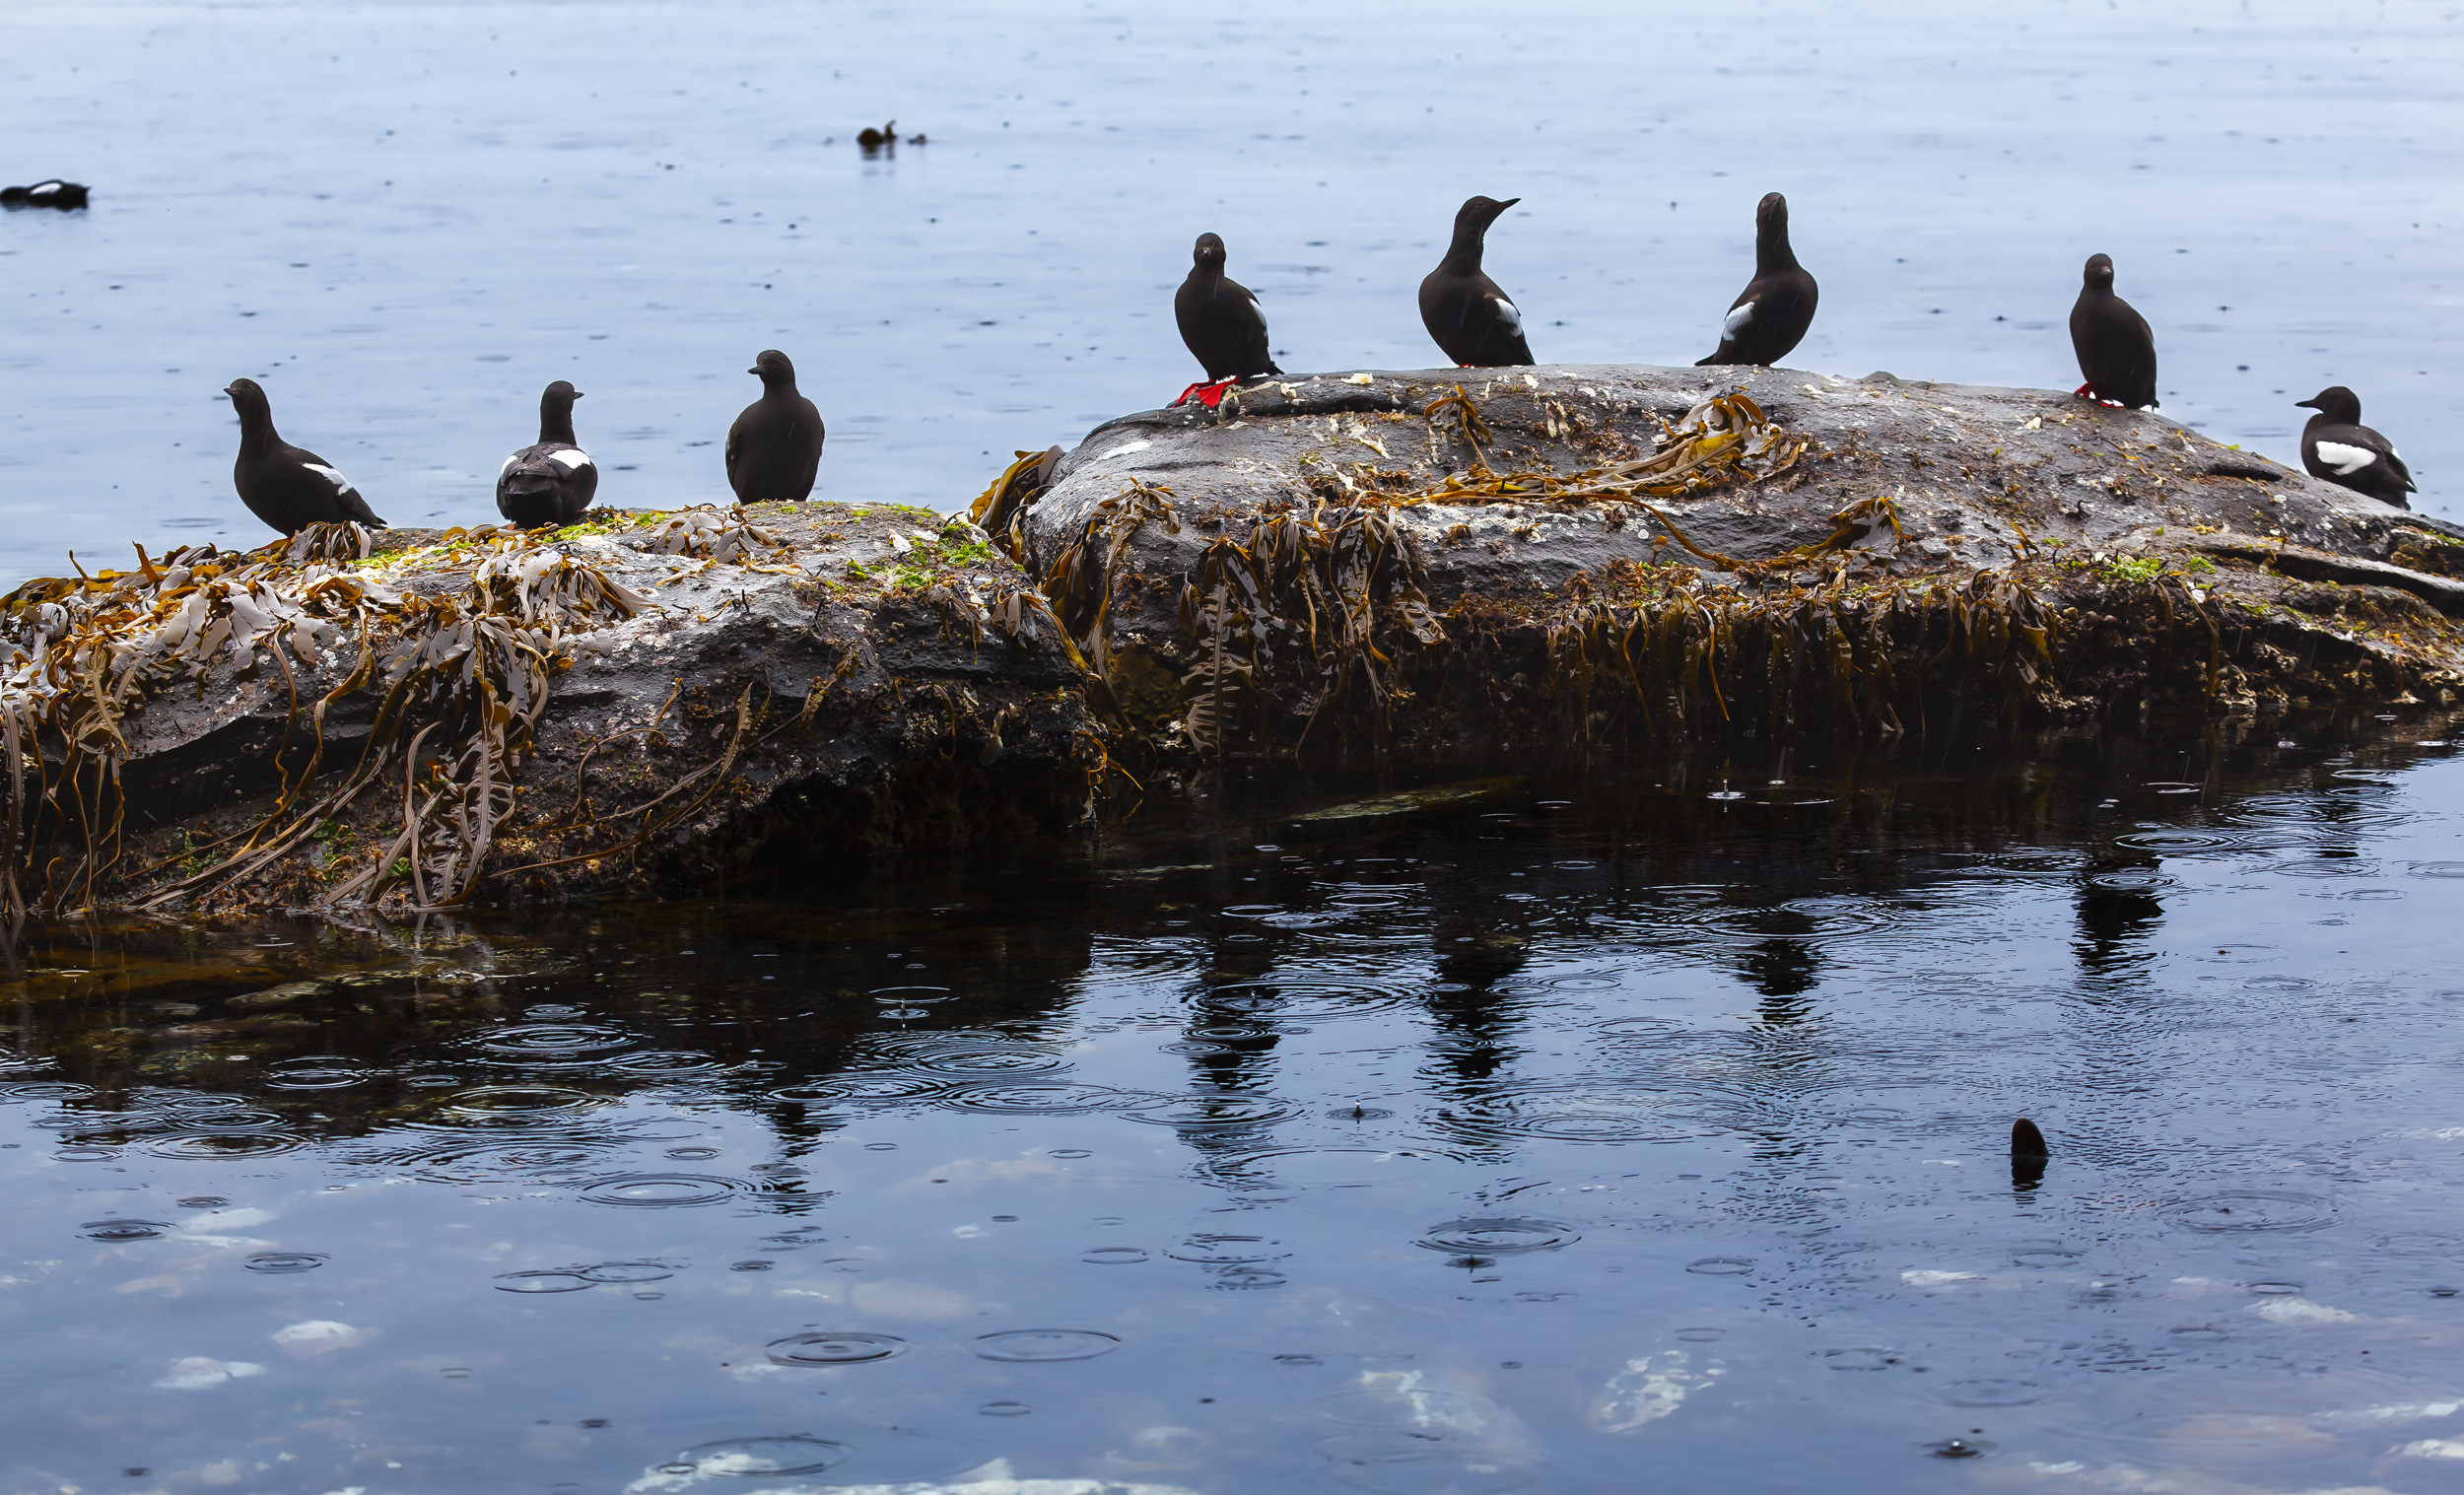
{"x": 1634, "y": 1131}
{"x": 1637, "y": 1132}
{"x": 405, "y": 219}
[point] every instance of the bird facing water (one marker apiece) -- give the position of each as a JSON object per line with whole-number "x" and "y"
{"x": 1771, "y": 315}
{"x": 1463, "y": 309}
{"x": 552, "y": 482}
{"x": 773, "y": 449}
{"x": 287, "y": 487}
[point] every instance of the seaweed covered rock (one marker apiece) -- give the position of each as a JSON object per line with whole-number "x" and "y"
{"x": 1451, "y": 565}
{"x": 642, "y": 702}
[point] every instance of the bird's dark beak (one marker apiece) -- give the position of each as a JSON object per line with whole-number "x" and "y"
{"x": 2305, "y": 404}
{"x": 1508, "y": 203}
{"x": 756, "y": 369}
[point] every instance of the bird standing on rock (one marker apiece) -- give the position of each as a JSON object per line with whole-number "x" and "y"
{"x": 287, "y": 487}
{"x": 2337, "y": 447}
{"x": 1771, "y": 315}
{"x": 552, "y": 482}
{"x": 775, "y": 446}
{"x": 1222, "y": 323}
{"x": 1463, "y": 309}
{"x": 2116, "y": 351}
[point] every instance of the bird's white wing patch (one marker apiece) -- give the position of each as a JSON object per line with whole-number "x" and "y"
{"x": 1507, "y": 314}
{"x": 508, "y": 464}
{"x": 44, "y": 190}
{"x": 2347, "y": 460}
{"x": 341, "y": 482}
{"x": 1257, "y": 311}
{"x": 1738, "y": 317}
{"x": 570, "y": 459}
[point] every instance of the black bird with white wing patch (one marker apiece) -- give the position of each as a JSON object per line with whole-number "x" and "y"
{"x": 2337, "y": 447}
{"x": 552, "y": 482}
{"x": 1221, "y": 321}
{"x": 1771, "y": 315}
{"x": 773, "y": 449}
{"x": 287, "y": 487}
{"x": 53, "y": 193}
{"x": 1463, "y": 309}
{"x": 2116, "y": 350}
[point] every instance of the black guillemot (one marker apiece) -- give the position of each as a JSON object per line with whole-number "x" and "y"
{"x": 773, "y": 449}
{"x": 53, "y": 193}
{"x": 1471, "y": 319}
{"x": 552, "y": 482}
{"x": 2116, "y": 351}
{"x": 1771, "y": 315}
{"x": 2337, "y": 447}
{"x": 287, "y": 486}
{"x": 1222, "y": 323}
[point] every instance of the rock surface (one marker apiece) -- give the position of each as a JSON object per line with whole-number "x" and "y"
{"x": 1547, "y": 572}
{"x": 1433, "y": 568}
{"x": 648, "y": 703}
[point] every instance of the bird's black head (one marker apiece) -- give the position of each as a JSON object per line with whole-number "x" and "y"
{"x": 1208, "y": 255}
{"x": 562, "y": 390}
{"x": 2337, "y": 403}
{"x": 1477, "y": 213}
{"x": 248, "y": 398}
{"x": 775, "y": 369}
{"x": 2100, "y": 272}
{"x": 1771, "y": 212}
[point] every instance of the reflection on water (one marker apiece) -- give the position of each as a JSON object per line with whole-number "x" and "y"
{"x": 1515, "y": 1141}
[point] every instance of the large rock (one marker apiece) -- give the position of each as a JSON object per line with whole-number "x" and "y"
{"x": 1438, "y": 567}
{"x": 643, "y": 703}
{"x": 1453, "y": 564}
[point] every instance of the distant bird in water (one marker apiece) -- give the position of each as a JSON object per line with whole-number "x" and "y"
{"x": 1771, "y": 315}
{"x": 552, "y": 482}
{"x": 1222, "y": 323}
{"x": 775, "y": 446}
{"x": 886, "y": 138}
{"x": 1463, "y": 309}
{"x": 287, "y": 487}
{"x": 2337, "y": 447}
{"x": 54, "y": 194}
{"x": 2028, "y": 1154}
{"x": 2116, "y": 351}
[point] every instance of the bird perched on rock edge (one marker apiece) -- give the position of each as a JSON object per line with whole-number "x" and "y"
{"x": 1471, "y": 319}
{"x": 773, "y": 449}
{"x": 2337, "y": 447}
{"x": 1223, "y": 324}
{"x": 1771, "y": 315}
{"x": 287, "y": 487}
{"x": 552, "y": 482}
{"x": 2116, "y": 350}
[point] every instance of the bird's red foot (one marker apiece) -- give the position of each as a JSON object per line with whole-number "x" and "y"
{"x": 2085, "y": 391}
{"x": 1208, "y": 395}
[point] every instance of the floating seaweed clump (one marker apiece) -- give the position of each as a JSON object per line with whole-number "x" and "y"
{"x": 460, "y": 681}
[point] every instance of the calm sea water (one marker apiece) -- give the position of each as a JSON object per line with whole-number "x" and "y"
{"x": 1640, "y": 1130}
{"x": 1647, "y": 1132}
{"x": 405, "y": 219}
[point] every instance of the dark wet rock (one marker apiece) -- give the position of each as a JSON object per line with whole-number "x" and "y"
{"x": 640, "y": 703}
{"x": 1434, "y": 568}
{"x": 1363, "y": 565}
